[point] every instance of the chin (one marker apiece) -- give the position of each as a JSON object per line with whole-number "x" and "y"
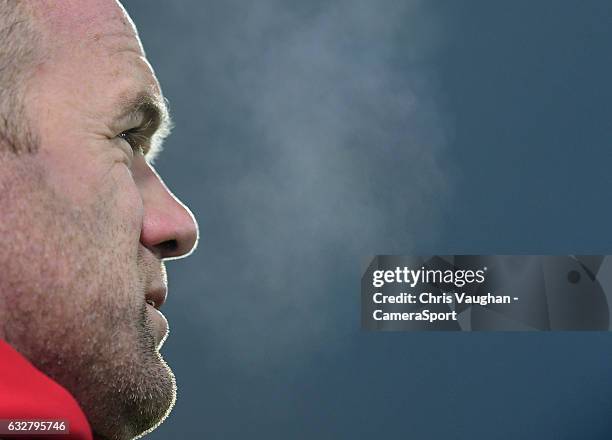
{"x": 143, "y": 406}
{"x": 158, "y": 405}
{"x": 142, "y": 390}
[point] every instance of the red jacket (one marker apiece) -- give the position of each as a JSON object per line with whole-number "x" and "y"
{"x": 26, "y": 393}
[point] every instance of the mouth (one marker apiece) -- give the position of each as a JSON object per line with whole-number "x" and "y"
{"x": 155, "y": 298}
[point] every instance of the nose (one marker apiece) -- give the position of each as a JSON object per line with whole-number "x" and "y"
{"x": 169, "y": 229}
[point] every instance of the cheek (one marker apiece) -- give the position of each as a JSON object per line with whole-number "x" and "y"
{"x": 122, "y": 203}
{"x": 97, "y": 182}
{"x": 129, "y": 200}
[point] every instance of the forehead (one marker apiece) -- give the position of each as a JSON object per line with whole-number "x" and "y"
{"x": 97, "y": 34}
{"x": 85, "y": 21}
{"x": 96, "y": 41}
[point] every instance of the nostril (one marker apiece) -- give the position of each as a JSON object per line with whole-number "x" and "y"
{"x": 169, "y": 247}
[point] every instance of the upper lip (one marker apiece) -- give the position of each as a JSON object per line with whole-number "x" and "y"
{"x": 157, "y": 296}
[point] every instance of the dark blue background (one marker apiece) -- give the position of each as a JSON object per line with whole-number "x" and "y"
{"x": 312, "y": 135}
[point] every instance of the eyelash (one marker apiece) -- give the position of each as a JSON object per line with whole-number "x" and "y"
{"x": 135, "y": 138}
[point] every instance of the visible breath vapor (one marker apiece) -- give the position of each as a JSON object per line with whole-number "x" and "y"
{"x": 321, "y": 145}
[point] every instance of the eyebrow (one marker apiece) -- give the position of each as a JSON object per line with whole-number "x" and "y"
{"x": 152, "y": 110}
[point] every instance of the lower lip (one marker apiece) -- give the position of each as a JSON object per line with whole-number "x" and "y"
{"x": 160, "y": 325}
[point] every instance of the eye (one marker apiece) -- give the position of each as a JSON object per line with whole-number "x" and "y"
{"x": 135, "y": 138}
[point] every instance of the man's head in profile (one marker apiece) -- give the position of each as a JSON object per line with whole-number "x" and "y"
{"x": 86, "y": 222}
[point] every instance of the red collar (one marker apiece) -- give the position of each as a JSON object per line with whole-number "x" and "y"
{"x": 27, "y": 393}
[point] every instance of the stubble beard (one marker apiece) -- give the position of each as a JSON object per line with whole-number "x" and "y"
{"x": 72, "y": 300}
